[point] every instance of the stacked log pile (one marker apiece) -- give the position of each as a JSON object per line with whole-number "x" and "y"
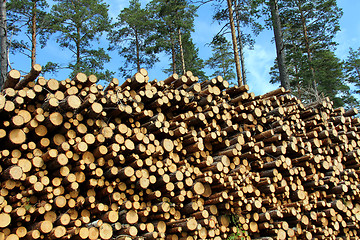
{"x": 173, "y": 159}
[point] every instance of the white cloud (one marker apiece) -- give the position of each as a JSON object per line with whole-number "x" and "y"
{"x": 115, "y": 6}
{"x": 258, "y": 63}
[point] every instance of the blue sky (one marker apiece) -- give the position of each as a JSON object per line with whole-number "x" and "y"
{"x": 258, "y": 61}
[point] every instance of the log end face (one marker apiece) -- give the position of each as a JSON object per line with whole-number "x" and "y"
{"x": 143, "y": 72}
{"x": 80, "y": 77}
{"x": 199, "y": 188}
{"x": 46, "y": 226}
{"x": 74, "y": 102}
{"x": 37, "y": 68}
{"x": 132, "y": 217}
{"x": 106, "y": 231}
{"x": 191, "y": 224}
{"x": 168, "y": 145}
{"x": 15, "y": 172}
{"x": 56, "y": 118}
{"x": 5, "y": 220}
{"x": 17, "y": 136}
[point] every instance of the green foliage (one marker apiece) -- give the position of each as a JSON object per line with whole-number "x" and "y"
{"x": 20, "y": 14}
{"x": 318, "y": 18}
{"x": 222, "y": 60}
{"x": 51, "y": 67}
{"x": 352, "y": 76}
{"x": 176, "y": 14}
{"x": 352, "y": 68}
{"x": 79, "y": 24}
{"x": 193, "y": 62}
{"x": 309, "y": 28}
{"x": 330, "y": 78}
{"x": 172, "y": 18}
{"x": 131, "y": 37}
{"x": 234, "y": 219}
{"x": 248, "y": 12}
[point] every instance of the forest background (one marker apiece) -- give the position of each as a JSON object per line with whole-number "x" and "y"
{"x": 259, "y": 56}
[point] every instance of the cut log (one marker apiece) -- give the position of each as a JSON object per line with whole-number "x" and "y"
{"x": 31, "y": 76}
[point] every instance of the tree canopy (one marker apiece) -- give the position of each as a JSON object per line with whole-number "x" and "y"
{"x": 131, "y": 37}
{"x": 80, "y": 23}
{"x": 141, "y": 35}
{"x": 32, "y": 19}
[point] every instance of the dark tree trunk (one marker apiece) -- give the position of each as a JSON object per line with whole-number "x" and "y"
{"x": 4, "y": 47}
{"x": 308, "y": 50}
{"x": 235, "y": 47}
{"x": 242, "y": 60}
{"x": 241, "y": 46}
{"x": 173, "y": 55}
{"x": 284, "y": 78}
{"x": 137, "y": 51}
{"x": 78, "y": 40}
{"x": 182, "y": 53}
{"x": 298, "y": 82}
{"x": 33, "y": 34}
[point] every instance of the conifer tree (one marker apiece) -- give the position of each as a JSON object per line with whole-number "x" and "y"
{"x": 28, "y": 23}
{"x": 246, "y": 14}
{"x": 279, "y": 43}
{"x": 309, "y": 28}
{"x": 131, "y": 37}
{"x": 174, "y": 24}
{"x": 330, "y": 77}
{"x": 191, "y": 58}
{"x": 80, "y": 23}
{"x": 222, "y": 60}
{"x": 3, "y": 44}
{"x": 352, "y": 68}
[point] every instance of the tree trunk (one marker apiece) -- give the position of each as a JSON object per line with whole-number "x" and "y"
{"x": 4, "y": 47}
{"x": 233, "y": 35}
{"x": 241, "y": 46}
{"x": 308, "y": 50}
{"x": 173, "y": 55}
{"x": 284, "y": 78}
{"x": 182, "y": 53}
{"x": 298, "y": 82}
{"x": 33, "y": 34}
{"x": 78, "y": 39}
{"x": 137, "y": 51}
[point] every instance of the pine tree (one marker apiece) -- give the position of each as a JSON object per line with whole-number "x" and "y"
{"x": 246, "y": 14}
{"x": 234, "y": 42}
{"x": 191, "y": 58}
{"x": 279, "y": 42}
{"x": 330, "y": 77}
{"x": 222, "y": 60}
{"x": 352, "y": 68}
{"x": 79, "y": 24}
{"x": 131, "y": 36}
{"x": 4, "y": 44}
{"x": 29, "y": 18}
{"x": 309, "y": 27}
{"x": 174, "y": 20}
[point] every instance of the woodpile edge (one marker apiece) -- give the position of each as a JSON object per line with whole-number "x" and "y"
{"x": 173, "y": 159}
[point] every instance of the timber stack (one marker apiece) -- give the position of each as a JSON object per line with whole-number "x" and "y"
{"x": 173, "y": 159}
